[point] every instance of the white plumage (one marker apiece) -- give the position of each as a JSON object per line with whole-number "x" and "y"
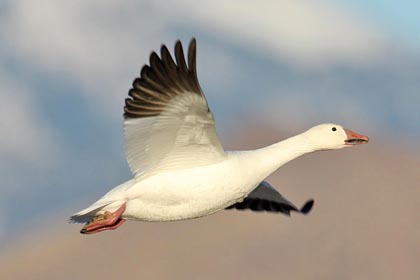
{"x": 179, "y": 166}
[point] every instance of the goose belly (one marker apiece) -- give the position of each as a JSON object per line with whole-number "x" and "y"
{"x": 187, "y": 194}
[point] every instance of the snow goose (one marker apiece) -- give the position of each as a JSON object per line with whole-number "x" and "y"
{"x": 179, "y": 167}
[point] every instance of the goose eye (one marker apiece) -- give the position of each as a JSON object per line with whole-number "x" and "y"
{"x": 334, "y": 128}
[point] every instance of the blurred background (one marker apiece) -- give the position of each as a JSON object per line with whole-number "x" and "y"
{"x": 270, "y": 70}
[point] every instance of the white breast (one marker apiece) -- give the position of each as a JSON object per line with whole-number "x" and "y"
{"x": 188, "y": 193}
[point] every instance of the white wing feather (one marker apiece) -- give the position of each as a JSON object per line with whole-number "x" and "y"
{"x": 182, "y": 136}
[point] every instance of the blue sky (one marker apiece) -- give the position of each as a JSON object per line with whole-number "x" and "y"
{"x": 66, "y": 67}
{"x": 399, "y": 18}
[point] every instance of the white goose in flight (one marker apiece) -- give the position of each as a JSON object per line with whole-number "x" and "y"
{"x": 179, "y": 166}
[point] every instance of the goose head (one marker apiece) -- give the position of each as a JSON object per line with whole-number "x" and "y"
{"x": 334, "y": 136}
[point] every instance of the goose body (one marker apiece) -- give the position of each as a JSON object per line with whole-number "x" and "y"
{"x": 195, "y": 192}
{"x": 179, "y": 166}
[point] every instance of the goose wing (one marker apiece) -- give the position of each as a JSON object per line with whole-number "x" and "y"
{"x": 267, "y": 198}
{"x": 168, "y": 124}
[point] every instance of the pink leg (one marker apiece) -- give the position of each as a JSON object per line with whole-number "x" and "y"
{"x": 105, "y": 221}
{"x": 114, "y": 226}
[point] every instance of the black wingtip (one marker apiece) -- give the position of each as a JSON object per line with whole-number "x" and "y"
{"x": 307, "y": 207}
{"x": 193, "y": 42}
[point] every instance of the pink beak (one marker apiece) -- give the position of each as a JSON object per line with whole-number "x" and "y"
{"x": 354, "y": 138}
